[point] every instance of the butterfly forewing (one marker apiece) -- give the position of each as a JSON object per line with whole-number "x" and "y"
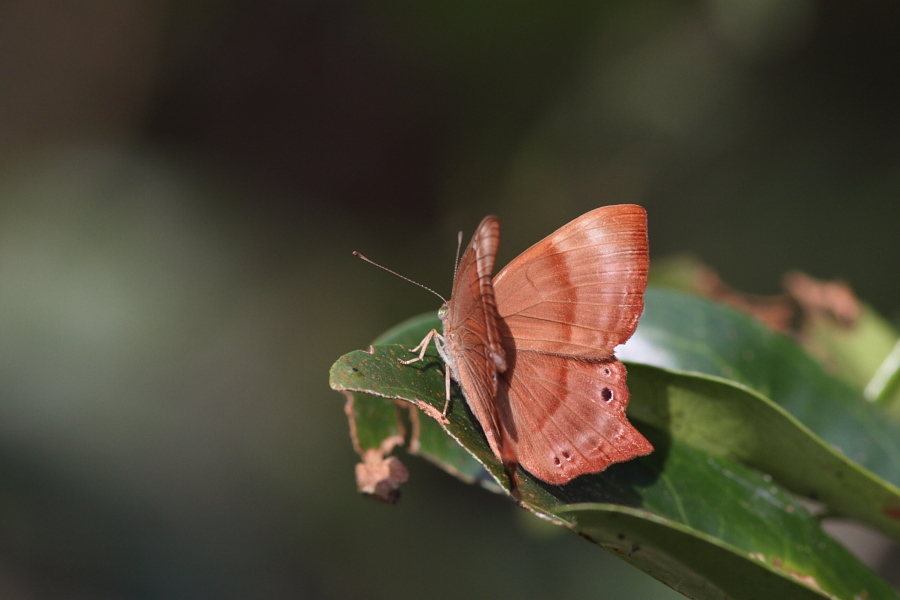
{"x": 580, "y": 291}
{"x": 471, "y": 330}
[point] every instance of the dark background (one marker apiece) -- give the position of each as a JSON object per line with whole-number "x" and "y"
{"x": 182, "y": 183}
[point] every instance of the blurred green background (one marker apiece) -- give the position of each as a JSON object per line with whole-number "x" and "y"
{"x": 181, "y": 186}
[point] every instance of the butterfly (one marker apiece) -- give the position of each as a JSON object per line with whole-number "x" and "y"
{"x": 532, "y": 349}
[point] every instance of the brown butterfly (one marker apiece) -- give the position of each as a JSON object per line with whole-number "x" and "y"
{"x": 532, "y": 349}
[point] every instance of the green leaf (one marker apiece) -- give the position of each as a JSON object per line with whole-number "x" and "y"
{"x": 761, "y": 399}
{"x": 653, "y": 509}
{"x": 733, "y": 421}
{"x": 884, "y": 387}
{"x": 855, "y": 352}
{"x": 863, "y": 348}
{"x": 724, "y": 531}
{"x": 734, "y": 410}
{"x": 686, "y": 334}
{"x": 375, "y": 421}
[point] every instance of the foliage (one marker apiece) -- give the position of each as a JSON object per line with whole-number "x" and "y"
{"x": 746, "y": 424}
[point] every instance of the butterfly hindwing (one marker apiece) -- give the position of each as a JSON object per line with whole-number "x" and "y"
{"x": 568, "y": 416}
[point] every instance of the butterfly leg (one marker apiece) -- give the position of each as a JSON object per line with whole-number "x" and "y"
{"x": 447, "y": 401}
{"x": 449, "y": 371}
{"x": 421, "y": 348}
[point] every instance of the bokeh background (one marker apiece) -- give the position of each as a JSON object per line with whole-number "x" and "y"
{"x": 182, "y": 183}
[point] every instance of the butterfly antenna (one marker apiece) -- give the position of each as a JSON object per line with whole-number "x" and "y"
{"x": 372, "y": 262}
{"x": 459, "y": 239}
{"x": 458, "y": 248}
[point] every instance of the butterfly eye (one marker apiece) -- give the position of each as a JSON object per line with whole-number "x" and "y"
{"x": 442, "y": 311}
{"x": 607, "y": 394}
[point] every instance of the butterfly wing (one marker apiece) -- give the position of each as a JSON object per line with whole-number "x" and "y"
{"x": 565, "y": 304}
{"x": 568, "y": 415}
{"x": 471, "y": 332}
{"x": 542, "y": 380}
{"x": 580, "y": 291}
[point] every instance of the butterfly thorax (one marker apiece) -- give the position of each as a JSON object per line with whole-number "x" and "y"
{"x": 444, "y": 342}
